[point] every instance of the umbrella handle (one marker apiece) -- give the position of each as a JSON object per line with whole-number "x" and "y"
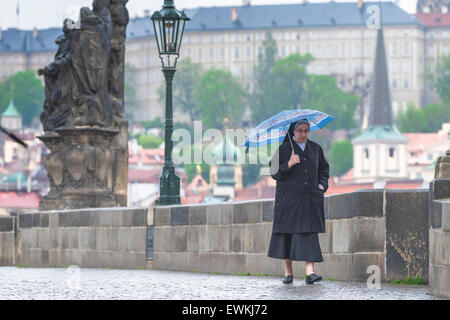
{"x": 290, "y": 140}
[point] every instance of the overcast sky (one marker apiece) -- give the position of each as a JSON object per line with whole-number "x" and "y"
{"x": 51, "y": 13}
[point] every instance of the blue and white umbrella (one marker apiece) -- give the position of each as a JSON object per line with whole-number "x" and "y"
{"x": 274, "y": 129}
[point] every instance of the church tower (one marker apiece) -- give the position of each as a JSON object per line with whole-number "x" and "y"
{"x": 380, "y": 152}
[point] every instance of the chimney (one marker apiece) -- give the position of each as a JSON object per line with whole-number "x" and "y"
{"x": 360, "y": 4}
{"x": 234, "y": 15}
{"x": 146, "y": 13}
{"x": 35, "y": 32}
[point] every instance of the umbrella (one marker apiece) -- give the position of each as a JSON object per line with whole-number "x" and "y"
{"x": 275, "y": 129}
{"x": 13, "y": 136}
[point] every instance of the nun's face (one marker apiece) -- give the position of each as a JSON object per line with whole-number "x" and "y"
{"x": 301, "y": 134}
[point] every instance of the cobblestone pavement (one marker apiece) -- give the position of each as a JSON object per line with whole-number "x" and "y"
{"x": 93, "y": 284}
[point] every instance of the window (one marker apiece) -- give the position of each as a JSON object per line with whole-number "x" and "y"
{"x": 356, "y": 50}
{"x": 406, "y": 66}
{"x": 236, "y": 53}
{"x": 283, "y": 51}
{"x": 199, "y": 54}
{"x": 330, "y": 50}
{"x": 394, "y": 66}
{"x": 249, "y": 52}
{"x": 406, "y": 49}
{"x": 342, "y": 49}
{"x": 319, "y": 50}
{"x": 366, "y": 153}
{"x": 222, "y": 53}
{"x": 394, "y": 49}
{"x": 343, "y": 67}
{"x": 406, "y": 84}
{"x": 319, "y": 68}
{"x": 394, "y": 83}
{"x": 430, "y": 156}
{"x": 330, "y": 67}
{"x": 211, "y": 39}
{"x": 391, "y": 152}
{"x": 211, "y": 54}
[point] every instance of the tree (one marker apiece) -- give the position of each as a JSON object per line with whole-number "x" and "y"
{"x": 131, "y": 103}
{"x": 341, "y": 158}
{"x": 219, "y": 95}
{"x": 262, "y": 100}
{"x": 289, "y": 81}
{"x": 324, "y": 95}
{"x": 427, "y": 119}
{"x": 149, "y": 142}
{"x": 28, "y": 93}
{"x": 185, "y": 81}
{"x": 442, "y": 82}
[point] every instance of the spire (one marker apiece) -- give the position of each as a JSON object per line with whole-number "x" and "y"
{"x": 11, "y": 110}
{"x": 381, "y": 105}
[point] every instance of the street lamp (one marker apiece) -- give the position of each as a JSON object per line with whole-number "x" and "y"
{"x": 169, "y": 27}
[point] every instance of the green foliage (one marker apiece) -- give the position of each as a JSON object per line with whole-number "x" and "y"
{"x": 149, "y": 142}
{"x": 28, "y": 93}
{"x": 410, "y": 280}
{"x": 442, "y": 78}
{"x": 341, "y": 157}
{"x": 191, "y": 171}
{"x": 278, "y": 85}
{"x": 219, "y": 95}
{"x": 428, "y": 119}
{"x": 324, "y": 95}
{"x": 155, "y": 123}
{"x": 185, "y": 81}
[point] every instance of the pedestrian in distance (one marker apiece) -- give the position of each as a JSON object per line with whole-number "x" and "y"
{"x": 301, "y": 176}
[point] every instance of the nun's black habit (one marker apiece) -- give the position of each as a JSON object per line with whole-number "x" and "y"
{"x": 299, "y": 202}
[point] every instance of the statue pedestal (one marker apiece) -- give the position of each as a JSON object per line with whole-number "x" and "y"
{"x": 80, "y": 168}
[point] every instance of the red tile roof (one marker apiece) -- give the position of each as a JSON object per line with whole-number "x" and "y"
{"x": 144, "y": 176}
{"x": 11, "y": 199}
{"x": 434, "y": 19}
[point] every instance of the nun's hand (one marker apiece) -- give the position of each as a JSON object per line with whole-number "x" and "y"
{"x": 295, "y": 158}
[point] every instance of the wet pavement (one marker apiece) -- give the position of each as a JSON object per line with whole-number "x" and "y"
{"x": 107, "y": 284}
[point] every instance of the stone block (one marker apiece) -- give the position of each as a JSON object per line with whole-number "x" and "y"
{"x": 367, "y": 234}
{"x": 197, "y": 215}
{"x": 407, "y": 234}
{"x": 341, "y": 206}
{"x": 248, "y": 212}
{"x": 199, "y": 261}
{"x": 160, "y": 239}
{"x": 361, "y": 263}
{"x": 234, "y": 262}
{"x": 6, "y": 249}
{"x": 335, "y": 265}
{"x": 150, "y": 216}
{"x": 445, "y": 225}
{"x": 341, "y": 237}
{"x": 83, "y": 238}
{"x": 268, "y": 210}
{"x": 106, "y": 218}
{"x": 179, "y": 215}
{"x": 43, "y": 238}
{"x": 53, "y": 220}
{"x": 219, "y": 214}
{"x": 218, "y": 238}
{"x": 126, "y": 218}
{"x": 176, "y": 261}
{"x": 162, "y": 216}
{"x": 258, "y": 242}
{"x": 85, "y": 218}
{"x": 140, "y": 217}
{"x": 112, "y": 238}
{"x": 196, "y": 239}
{"x": 439, "y": 247}
{"x": 260, "y": 263}
{"x": 435, "y": 219}
{"x": 326, "y": 239}
{"x": 94, "y": 218}
{"x": 44, "y": 220}
{"x": 36, "y": 220}
{"x": 369, "y": 203}
{"x": 439, "y": 282}
{"x": 56, "y": 258}
{"x": 177, "y": 239}
{"x": 25, "y": 220}
{"x": 6, "y": 224}
{"x": 237, "y": 238}
{"x": 73, "y": 235}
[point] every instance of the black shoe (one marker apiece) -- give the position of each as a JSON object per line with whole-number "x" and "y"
{"x": 288, "y": 279}
{"x": 312, "y": 278}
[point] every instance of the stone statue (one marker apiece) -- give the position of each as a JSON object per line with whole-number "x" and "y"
{"x": 83, "y": 111}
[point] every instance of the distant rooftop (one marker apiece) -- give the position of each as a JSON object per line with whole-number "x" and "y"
{"x": 330, "y": 14}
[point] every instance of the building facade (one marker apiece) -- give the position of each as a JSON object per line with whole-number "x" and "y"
{"x": 336, "y": 34}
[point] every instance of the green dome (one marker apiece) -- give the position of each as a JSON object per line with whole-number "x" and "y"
{"x": 379, "y": 132}
{"x": 225, "y": 175}
{"x": 11, "y": 111}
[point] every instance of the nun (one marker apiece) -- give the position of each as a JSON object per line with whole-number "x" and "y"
{"x": 301, "y": 173}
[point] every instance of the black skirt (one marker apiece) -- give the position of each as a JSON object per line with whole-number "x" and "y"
{"x": 295, "y": 246}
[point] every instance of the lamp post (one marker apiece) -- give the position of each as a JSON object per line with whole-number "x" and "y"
{"x": 169, "y": 27}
